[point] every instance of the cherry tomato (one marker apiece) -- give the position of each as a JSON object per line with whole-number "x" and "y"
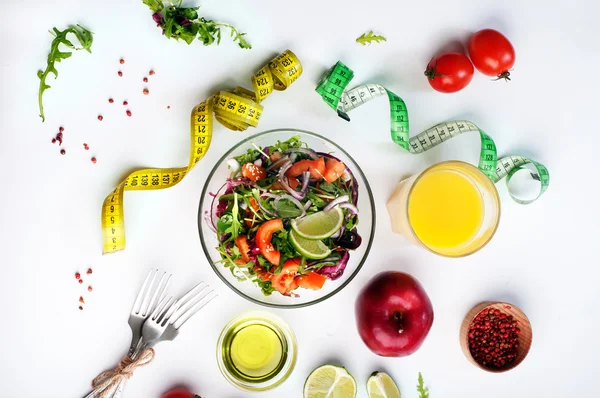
{"x": 284, "y": 282}
{"x": 311, "y": 280}
{"x": 180, "y": 393}
{"x": 333, "y": 170}
{"x": 242, "y": 244}
{"x": 492, "y": 53}
{"x": 449, "y": 72}
{"x": 315, "y": 167}
{"x": 254, "y": 172}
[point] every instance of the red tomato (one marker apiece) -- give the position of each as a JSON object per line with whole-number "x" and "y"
{"x": 450, "y": 72}
{"x": 492, "y": 54}
{"x": 263, "y": 240}
{"x": 276, "y": 156}
{"x": 315, "y": 167}
{"x": 312, "y": 280}
{"x": 254, "y": 172}
{"x": 333, "y": 170}
{"x": 242, "y": 244}
{"x": 262, "y": 274}
{"x": 180, "y": 393}
{"x": 284, "y": 282}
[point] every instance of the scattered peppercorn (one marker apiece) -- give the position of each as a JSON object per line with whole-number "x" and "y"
{"x": 93, "y": 160}
{"x": 151, "y": 72}
{"x": 145, "y": 80}
{"x": 90, "y": 289}
{"x": 61, "y": 129}
{"x": 81, "y": 300}
{"x": 62, "y": 152}
{"x": 121, "y": 61}
{"x": 54, "y": 140}
{"x": 100, "y": 117}
{"x": 125, "y": 103}
{"x": 120, "y": 74}
{"x": 80, "y": 281}
{"x": 77, "y": 275}
{"x": 86, "y": 147}
{"x": 81, "y": 308}
{"x": 146, "y": 91}
{"x": 128, "y": 112}
{"x": 493, "y": 338}
{"x": 110, "y": 100}
{"x": 168, "y": 106}
{"x": 89, "y": 271}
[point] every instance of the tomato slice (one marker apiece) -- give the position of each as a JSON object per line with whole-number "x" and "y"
{"x": 285, "y": 281}
{"x": 315, "y": 167}
{"x": 254, "y": 172}
{"x": 292, "y": 182}
{"x": 333, "y": 170}
{"x": 276, "y": 156}
{"x": 263, "y": 240}
{"x": 242, "y": 244}
{"x": 312, "y": 280}
{"x": 262, "y": 274}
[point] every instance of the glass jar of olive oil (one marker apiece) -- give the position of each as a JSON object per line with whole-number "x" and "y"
{"x": 256, "y": 351}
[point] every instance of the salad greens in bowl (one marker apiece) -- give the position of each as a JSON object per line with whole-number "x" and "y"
{"x": 286, "y": 218}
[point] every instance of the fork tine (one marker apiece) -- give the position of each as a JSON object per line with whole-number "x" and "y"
{"x": 188, "y": 300}
{"x": 172, "y": 310}
{"x": 138, "y": 300}
{"x": 197, "y": 307}
{"x": 147, "y": 295}
{"x": 160, "y": 291}
{"x": 158, "y": 309}
{"x": 171, "y": 305}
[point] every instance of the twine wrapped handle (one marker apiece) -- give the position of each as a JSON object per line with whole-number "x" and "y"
{"x": 105, "y": 382}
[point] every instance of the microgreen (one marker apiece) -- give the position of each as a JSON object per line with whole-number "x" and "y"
{"x": 368, "y": 38}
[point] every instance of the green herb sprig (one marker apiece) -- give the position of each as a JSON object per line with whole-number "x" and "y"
{"x": 368, "y": 38}
{"x": 56, "y": 55}
{"x": 421, "y": 389}
{"x": 184, "y": 23}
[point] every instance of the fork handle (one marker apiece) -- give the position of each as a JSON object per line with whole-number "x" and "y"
{"x": 121, "y": 386}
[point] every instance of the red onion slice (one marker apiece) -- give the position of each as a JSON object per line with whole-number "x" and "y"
{"x": 351, "y": 208}
{"x": 295, "y": 201}
{"x": 336, "y": 201}
{"x": 307, "y": 151}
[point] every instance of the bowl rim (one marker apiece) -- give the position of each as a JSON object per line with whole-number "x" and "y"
{"x": 354, "y": 170}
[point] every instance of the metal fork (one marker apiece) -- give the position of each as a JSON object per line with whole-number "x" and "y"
{"x": 168, "y": 317}
{"x": 145, "y": 303}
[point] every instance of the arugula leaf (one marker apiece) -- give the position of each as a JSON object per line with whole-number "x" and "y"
{"x": 266, "y": 287}
{"x": 282, "y": 244}
{"x": 421, "y": 389}
{"x": 235, "y": 224}
{"x": 248, "y": 157}
{"x": 368, "y": 38}
{"x": 184, "y": 23}
{"x": 224, "y": 223}
{"x": 282, "y": 146}
{"x": 155, "y": 5}
{"x": 287, "y": 209}
{"x": 55, "y": 55}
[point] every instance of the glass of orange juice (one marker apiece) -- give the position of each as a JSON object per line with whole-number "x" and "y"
{"x": 452, "y": 209}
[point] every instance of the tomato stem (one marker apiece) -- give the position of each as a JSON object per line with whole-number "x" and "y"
{"x": 504, "y": 75}
{"x": 431, "y": 73}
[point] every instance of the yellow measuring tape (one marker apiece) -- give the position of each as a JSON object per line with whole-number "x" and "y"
{"x": 237, "y": 110}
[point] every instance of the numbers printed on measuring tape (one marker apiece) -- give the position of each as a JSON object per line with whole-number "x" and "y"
{"x": 332, "y": 88}
{"x": 237, "y": 109}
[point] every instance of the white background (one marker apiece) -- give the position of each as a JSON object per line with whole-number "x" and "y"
{"x": 543, "y": 257}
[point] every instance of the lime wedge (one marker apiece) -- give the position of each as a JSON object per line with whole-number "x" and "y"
{"x": 330, "y": 381}
{"x": 313, "y": 249}
{"x": 319, "y": 225}
{"x": 381, "y": 385}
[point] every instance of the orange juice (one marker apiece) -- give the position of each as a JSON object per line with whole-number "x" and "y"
{"x": 452, "y": 208}
{"x": 445, "y": 209}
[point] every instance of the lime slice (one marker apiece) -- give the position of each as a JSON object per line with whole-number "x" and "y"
{"x": 313, "y": 249}
{"x": 319, "y": 225}
{"x": 330, "y": 381}
{"x": 381, "y": 385}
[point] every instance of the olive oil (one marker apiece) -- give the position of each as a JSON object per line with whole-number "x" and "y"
{"x": 255, "y": 350}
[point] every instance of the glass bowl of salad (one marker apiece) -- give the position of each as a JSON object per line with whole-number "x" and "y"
{"x": 286, "y": 218}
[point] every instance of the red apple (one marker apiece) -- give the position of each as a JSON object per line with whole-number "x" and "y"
{"x": 393, "y": 314}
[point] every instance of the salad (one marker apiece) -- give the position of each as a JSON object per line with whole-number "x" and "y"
{"x": 286, "y": 217}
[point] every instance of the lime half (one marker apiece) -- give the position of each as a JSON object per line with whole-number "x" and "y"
{"x": 313, "y": 249}
{"x": 330, "y": 381}
{"x": 381, "y": 385}
{"x": 319, "y": 225}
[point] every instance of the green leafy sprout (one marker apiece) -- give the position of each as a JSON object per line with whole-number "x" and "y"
{"x": 368, "y": 38}
{"x": 56, "y": 55}
{"x": 421, "y": 389}
{"x": 185, "y": 24}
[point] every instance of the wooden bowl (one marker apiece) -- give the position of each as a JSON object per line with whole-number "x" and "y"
{"x": 524, "y": 339}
